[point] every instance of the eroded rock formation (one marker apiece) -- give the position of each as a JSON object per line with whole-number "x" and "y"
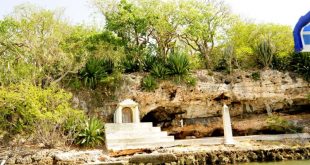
{"x": 275, "y": 91}
{"x": 199, "y": 107}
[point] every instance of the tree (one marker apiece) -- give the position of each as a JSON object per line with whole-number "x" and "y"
{"x": 204, "y": 23}
{"x": 129, "y": 22}
{"x": 140, "y": 25}
{"x": 165, "y": 24}
{"x": 246, "y": 35}
{"x": 31, "y": 44}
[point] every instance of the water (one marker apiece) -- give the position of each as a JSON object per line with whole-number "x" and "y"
{"x": 293, "y": 162}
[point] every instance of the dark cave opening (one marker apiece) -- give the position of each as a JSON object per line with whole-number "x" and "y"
{"x": 221, "y": 97}
{"x": 161, "y": 116}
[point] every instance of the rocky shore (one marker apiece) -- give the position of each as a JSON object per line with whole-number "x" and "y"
{"x": 245, "y": 151}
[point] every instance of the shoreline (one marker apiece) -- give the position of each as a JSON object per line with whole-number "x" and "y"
{"x": 245, "y": 151}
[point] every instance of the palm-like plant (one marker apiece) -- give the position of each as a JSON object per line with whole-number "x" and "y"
{"x": 130, "y": 64}
{"x": 92, "y": 134}
{"x": 159, "y": 70}
{"x": 178, "y": 64}
{"x": 94, "y": 70}
{"x": 265, "y": 51}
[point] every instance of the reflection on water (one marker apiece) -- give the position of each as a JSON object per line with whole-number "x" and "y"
{"x": 294, "y": 162}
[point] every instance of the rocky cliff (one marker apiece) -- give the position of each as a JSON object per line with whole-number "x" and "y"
{"x": 199, "y": 107}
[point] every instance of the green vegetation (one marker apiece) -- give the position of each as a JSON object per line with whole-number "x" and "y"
{"x": 24, "y": 107}
{"x": 178, "y": 64}
{"x": 42, "y": 57}
{"x": 159, "y": 70}
{"x": 280, "y": 125}
{"x": 255, "y": 76}
{"x": 92, "y": 133}
{"x": 149, "y": 83}
{"x": 190, "y": 80}
{"x": 265, "y": 52}
{"x": 95, "y": 70}
{"x": 300, "y": 63}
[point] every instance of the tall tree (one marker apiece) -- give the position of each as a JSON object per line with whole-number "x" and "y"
{"x": 33, "y": 41}
{"x": 205, "y": 22}
{"x": 142, "y": 22}
{"x": 129, "y": 22}
{"x": 165, "y": 24}
{"x": 246, "y": 35}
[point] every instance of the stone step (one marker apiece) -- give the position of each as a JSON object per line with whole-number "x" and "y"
{"x": 114, "y": 127}
{"x": 135, "y": 134}
{"x": 140, "y": 141}
{"x": 169, "y": 141}
{"x": 144, "y": 131}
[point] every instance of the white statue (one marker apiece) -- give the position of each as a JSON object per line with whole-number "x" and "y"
{"x": 228, "y": 137}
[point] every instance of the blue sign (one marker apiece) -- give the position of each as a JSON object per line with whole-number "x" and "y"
{"x": 302, "y": 34}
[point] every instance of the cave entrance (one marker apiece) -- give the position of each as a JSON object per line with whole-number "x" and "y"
{"x": 162, "y": 116}
{"x": 127, "y": 115}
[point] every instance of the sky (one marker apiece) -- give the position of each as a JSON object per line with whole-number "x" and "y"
{"x": 262, "y": 11}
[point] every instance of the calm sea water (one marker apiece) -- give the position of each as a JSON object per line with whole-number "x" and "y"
{"x": 294, "y": 162}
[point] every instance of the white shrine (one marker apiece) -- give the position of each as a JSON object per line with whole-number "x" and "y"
{"x": 127, "y": 112}
{"x": 127, "y": 132}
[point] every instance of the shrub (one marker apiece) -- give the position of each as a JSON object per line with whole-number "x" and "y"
{"x": 226, "y": 63}
{"x": 94, "y": 70}
{"x": 190, "y": 80}
{"x": 92, "y": 134}
{"x": 255, "y": 76}
{"x": 148, "y": 83}
{"x": 159, "y": 70}
{"x": 178, "y": 64}
{"x": 148, "y": 62}
{"x": 300, "y": 63}
{"x": 196, "y": 62}
{"x": 280, "y": 125}
{"x": 111, "y": 83}
{"x": 74, "y": 83}
{"x": 130, "y": 64}
{"x": 55, "y": 134}
{"x": 265, "y": 51}
{"x": 22, "y": 105}
{"x": 281, "y": 62}
{"x": 221, "y": 65}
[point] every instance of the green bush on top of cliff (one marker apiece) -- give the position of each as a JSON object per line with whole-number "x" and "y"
{"x": 190, "y": 80}
{"x": 265, "y": 51}
{"x": 131, "y": 64}
{"x": 149, "y": 83}
{"x": 178, "y": 64}
{"x": 300, "y": 63}
{"x": 22, "y": 105}
{"x": 94, "y": 70}
{"x": 159, "y": 70}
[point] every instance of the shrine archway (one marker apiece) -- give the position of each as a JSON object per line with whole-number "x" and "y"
{"x": 127, "y": 112}
{"x": 127, "y": 115}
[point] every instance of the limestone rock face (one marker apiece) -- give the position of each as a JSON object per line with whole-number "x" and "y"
{"x": 274, "y": 91}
